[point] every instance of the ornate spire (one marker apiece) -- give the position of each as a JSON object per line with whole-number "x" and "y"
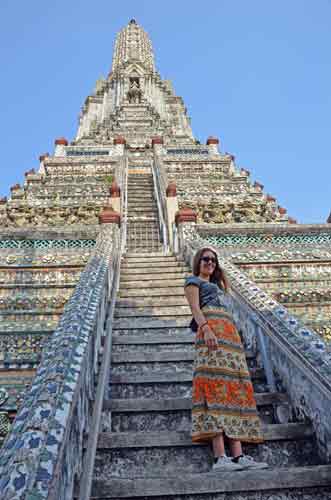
{"x": 133, "y": 45}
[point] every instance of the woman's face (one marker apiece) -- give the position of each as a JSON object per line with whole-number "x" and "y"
{"x": 207, "y": 263}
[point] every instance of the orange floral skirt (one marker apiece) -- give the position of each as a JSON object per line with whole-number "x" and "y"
{"x": 223, "y": 395}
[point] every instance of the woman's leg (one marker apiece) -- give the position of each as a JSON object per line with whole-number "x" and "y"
{"x": 235, "y": 447}
{"x": 218, "y": 446}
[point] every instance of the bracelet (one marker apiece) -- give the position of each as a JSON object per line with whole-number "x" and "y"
{"x": 204, "y": 324}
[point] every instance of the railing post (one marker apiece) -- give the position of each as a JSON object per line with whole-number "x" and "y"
{"x": 265, "y": 358}
{"x": 172, "y": 209}
{"x": 85, "y": 486}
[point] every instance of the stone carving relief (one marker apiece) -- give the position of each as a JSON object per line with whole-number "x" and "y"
{"x": 217, "y": 213}
{"x": 26, "y": 216}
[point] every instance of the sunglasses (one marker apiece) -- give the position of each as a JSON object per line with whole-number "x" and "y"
{"x": 209, "y": 259}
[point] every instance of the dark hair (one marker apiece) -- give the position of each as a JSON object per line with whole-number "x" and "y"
{"x": 218, "y": 275}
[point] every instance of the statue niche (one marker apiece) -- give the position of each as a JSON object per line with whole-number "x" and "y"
{"x": 134, "y": 94}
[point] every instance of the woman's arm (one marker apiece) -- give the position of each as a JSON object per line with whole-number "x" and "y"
{"x": 192, "y": 295}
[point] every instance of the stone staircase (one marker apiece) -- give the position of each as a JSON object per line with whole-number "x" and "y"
{"x": 144, "y": 448}
{"x": 143, "y": 228}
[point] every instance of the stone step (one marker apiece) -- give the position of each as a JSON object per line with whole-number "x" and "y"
{"x": 140, "y": 180}
{"x": 147, "y": 264}
{"x": 152, "y": 312}
{"x": 152, "y": 283}
{"x": 141, "y": 219}
{"x": 142, "y": 236}
{"x": 173, "y": 269}
{"x": 147, "y": 181}
{"x": 156, "y": 421}
{"x": 148, "y": 454}
{"x": 136, "y": 196}
{"x": 141, "y": 201}
{"x": 153, "y": 211}
{"x": 143, "y": 216}
{"x": 286, "y": 483}
{"x": 143, "y": 241}
{"x": 152, "y": 257}
{"x": 151, "y": 246}
{"x": 174, "y": 291}
{"x": 178, "y": 336}
{"x": 177, "y": 404}
{"x": 143, "y": 212}
{"x": 152, "y": 302}
{"x": 158, "y": 355}
{"x": 141, "y": 229}
{"x": 141, "y": 205}
{"x": 142, "y": 224}
{"x": 162, "y": 376}
{"x": 116, "y": 440}
{"x": 143, "y": 323}
{"x": 180, "y": 387}
{"x": 146, "y": 241}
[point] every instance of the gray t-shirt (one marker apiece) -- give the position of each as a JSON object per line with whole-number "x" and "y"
{"x": 210, "y": 294}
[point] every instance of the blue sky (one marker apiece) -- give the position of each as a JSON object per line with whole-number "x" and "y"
{"x": 255, "y": 73}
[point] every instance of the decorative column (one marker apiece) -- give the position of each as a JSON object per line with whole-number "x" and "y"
{"x": 212, "y": 143}
{"x": 60, "y": 146}
{"x": 157, "y": 144}
{"x": 115, "y": 197}
{"x": 185, "y": 220}
{"x": 42, "y": 158}
{"x": 119, "y": 143}
{"x": 172, "y": 209}
{"x": 109, "y": 216}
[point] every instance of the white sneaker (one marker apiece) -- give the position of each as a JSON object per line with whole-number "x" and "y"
{"x": 247, "y": 462}
{"x": 226, "y": 464}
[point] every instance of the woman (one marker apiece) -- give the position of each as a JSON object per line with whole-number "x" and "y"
{"x": 223, "y": 403}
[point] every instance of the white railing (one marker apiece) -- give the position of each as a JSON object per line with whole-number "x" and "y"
{"x": 124, "y": 201}
{"x": 160, "y": 195}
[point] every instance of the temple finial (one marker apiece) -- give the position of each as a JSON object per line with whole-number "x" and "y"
{"x": 133, "y": 45}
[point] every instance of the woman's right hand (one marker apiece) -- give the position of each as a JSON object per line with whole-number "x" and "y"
{"x": 210, "y": 338}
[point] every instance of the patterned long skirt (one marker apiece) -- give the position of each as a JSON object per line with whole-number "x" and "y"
{"x": 223, "y": 396}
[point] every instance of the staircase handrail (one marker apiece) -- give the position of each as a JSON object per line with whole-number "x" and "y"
{"x": 124, "y": 202}
{"x": 160, "y": 195}
{"x": 292, "y": 348}
{"x": 43, "y": 453}
{"x": 85, "y": 485}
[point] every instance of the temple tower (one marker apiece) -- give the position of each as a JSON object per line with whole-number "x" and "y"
{"x": 94, "y": 247}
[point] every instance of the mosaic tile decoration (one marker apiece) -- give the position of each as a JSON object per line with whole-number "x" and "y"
{"x": 268, "y": 239}
{"x": 37, "y": 244}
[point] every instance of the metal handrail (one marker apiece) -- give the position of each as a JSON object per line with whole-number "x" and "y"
{"x": 159, "y": 195}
